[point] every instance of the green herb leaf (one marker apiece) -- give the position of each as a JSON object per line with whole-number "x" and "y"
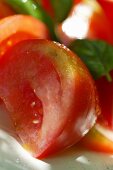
{"x": 97, "y": 55}
{"x": 30, "y": 7}
{"x": 61, "y": 8}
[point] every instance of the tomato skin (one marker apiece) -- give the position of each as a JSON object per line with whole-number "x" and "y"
{"x": 107, "y": 6}
{"x": 13, "y": 39}
{"x": 105, "y": 91}
{"x": 86, "y": 20}
{"x": 97, "y": 140}
{"x": 5, "y": 10}
{"x": 12, "y": 30}
{"x": 68, "y": 109}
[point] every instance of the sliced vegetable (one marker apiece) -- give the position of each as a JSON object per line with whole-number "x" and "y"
{"x": 100, "y": 138}
{"x": 107, "y": 6}
{"x": 105, "y": 90}
{"x": 49, "y": 94}
{"x": 32, "y": 8}
{"x": 19, "y": 27}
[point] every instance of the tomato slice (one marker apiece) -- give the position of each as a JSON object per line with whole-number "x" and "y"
{"x": 107, "y": 6}
{"x": 49, "y": 95}
{"x": 105, "y": 90}
{"x": 86, "y": 20}
{"x": 100, "y": 137}
{"x": 19, "y": 27}
{"x": 5, "y": 10}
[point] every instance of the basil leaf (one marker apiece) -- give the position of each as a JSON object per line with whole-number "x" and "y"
{"x": 30, "y": 7}
{"x": 61, "y": 9}
{"x": 96, "y": 54}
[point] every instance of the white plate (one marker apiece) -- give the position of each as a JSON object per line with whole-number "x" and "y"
{"x": 14, "y": 157}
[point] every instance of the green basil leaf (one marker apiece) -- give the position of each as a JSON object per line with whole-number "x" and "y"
{"x": 61, "y": 9}
{"x": 30, "y": 7}
{"x": 96, "y": 54}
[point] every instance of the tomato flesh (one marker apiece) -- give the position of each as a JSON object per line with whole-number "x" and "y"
{"x": 13, "y": 39}
{"x": 105, "y": 90}
{"x": 49, "y": 95}
{"x": 12, "y": 30}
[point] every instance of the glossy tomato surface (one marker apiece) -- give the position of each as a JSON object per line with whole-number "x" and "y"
{"x": 105, "y": 90}
{"x": 100, "y": 137}
{"x": 86, "y": 20}
{"x": 107, "y": 6}
{"x": 16, "y": 28}
{"x": 49, "y": 94}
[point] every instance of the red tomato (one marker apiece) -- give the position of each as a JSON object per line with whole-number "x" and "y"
{"x": 19, "y": 27}
{"x": 107, "y": 6}
{"x": 49, "y": 94}
{"x": 5, "y": 10}
{"x": 100, "y": 137}
{"x": 105, "y": 90}
{"x": 86, "y": 20}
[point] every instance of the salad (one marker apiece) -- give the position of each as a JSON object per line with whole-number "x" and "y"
{"x": 56, "y": 71}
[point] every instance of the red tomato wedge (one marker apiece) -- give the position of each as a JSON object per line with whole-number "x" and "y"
{"x": 20, "y": 27}
{"x": 49, "y": 94}
{"x": 107, "y": 6}
{"x": 100, "y": 137}
{"x": 105, "y": 91}
{"x": 5, "y": 10}
{"x": 86, "y": 20}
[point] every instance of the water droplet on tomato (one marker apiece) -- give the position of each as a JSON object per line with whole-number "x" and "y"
{"x": 33, "y": 104}
{"x": 36, "y": 121}
{"x": 34, "y": 91}
{"x": 35, "y": 114}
